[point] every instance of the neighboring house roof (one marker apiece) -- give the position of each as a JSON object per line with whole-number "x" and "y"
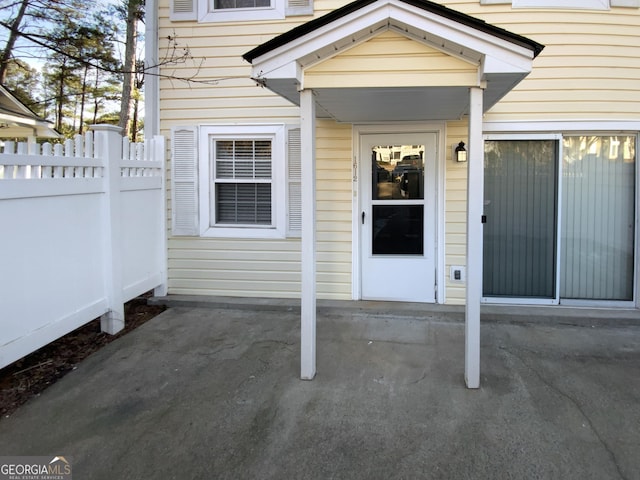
{"x": 426, "y": 5}
{"x": 17, "y": 120}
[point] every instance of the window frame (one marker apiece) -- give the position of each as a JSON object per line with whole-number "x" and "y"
{"x": 207, "y": 12}
{"x": 566, "y": 4}
{"x": 207, "y": 137}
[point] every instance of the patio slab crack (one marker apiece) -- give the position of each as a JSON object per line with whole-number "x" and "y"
{"x": 574, "y": 402}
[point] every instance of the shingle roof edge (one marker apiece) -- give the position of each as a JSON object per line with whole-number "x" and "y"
{"x": 426, "y": 5}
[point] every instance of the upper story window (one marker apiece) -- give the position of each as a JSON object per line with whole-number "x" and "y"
{"x": 578, "y": 4}
{"x": 240, "y": 10}
{"x": 566, "y": 4}
{"x": 222, "y": 4}
{"x": 205, "y": 11}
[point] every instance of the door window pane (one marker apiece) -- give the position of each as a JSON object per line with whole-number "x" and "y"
{"x": 520, "y": 206}
{"x": 598, "y": 217}
{"x": 398, "y": 230}
{"x": 397, "y": 172}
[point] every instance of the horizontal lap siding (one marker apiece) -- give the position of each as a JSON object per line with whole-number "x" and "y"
{"x": 390, "y": 59}
{"x": 224, "y": 93}
{"x": 333, "y": 197}
{"x": 455, "y": 211}
{"x": 589, "y": 69}
{"x": 271, "y": 268}
{"x": 233, "y": 267}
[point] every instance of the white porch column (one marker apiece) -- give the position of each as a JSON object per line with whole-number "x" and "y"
{"x": 308, "y": 298}
{"x": 475, "y": 209}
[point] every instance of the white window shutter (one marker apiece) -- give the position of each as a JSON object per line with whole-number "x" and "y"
{"x": 184, "y": 181}
{"x": 183, "y": 10}
{"x": 294, "y": 183}
{"x": 299, "y": 7}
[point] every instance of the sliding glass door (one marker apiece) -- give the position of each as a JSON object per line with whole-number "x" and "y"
{"x": 554, "y": 231}
{"x": 520, "y": 208}
{"x": 598, "y": 217}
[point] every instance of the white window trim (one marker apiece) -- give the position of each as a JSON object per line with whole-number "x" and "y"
{"x": 278, "y": 180}
{"x": 206, "y": 12}
{"x": 572, "y": 4}
{"x": 566, "y": 4}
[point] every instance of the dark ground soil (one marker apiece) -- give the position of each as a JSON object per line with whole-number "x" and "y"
{"x": 29, "y": 376}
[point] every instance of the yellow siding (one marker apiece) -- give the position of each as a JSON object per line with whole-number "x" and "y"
{"x": 271, "y": 268}
{"x": 333, "y": 213}
{"x": 230, "y": 267}
{"x": 589, "y": 70}
{"x": 393, "y": 60}
{"x": 455, "y": 229}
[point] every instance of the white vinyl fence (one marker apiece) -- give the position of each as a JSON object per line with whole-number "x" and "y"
{"x": 82, "y": 230}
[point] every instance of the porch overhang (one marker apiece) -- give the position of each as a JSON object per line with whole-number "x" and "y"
{"x": 15, "y": 126}
{"x": 501, "y": 59}
{"x": 17, "y": 121}
{"x": 344, "y": 66}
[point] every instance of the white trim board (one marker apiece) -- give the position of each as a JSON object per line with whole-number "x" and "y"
{"x": 562, "y": 126}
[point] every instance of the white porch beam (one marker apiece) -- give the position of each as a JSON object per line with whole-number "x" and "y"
{"x": 308, "y": 297}
{"x": 475, "y": 208}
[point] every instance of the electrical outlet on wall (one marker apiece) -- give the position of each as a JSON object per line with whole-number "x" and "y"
{"x": 457, "y": 274}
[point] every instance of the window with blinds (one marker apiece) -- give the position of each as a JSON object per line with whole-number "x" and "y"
{"x": 242, "y": 182}
{"x": 220, "y": 4}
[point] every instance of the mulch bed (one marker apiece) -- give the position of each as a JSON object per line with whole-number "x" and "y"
{"x": 29, "y": 376}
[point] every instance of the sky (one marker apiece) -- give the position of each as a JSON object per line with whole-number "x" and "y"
{"x": 24, "y": 49}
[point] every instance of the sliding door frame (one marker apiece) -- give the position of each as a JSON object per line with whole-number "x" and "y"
{"x": 526, "y": 135}
{"x": 555, "y": 300}
{"x": 574, "y": 302}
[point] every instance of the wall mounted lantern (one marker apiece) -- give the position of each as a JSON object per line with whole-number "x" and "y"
{"x": 460, "y": 153}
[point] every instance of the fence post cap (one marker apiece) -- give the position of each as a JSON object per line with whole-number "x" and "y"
{"x": 105, "y": 127}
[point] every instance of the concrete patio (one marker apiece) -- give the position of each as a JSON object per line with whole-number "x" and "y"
{"x": 210, "y": 390}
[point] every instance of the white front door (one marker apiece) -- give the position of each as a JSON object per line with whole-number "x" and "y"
{"x": 398, "y": 216}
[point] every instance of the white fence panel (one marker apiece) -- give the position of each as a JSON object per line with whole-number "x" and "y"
{"x": 142, "y": 221}
{"x": 52, "y": 277}
{"x": 68, "y": 255}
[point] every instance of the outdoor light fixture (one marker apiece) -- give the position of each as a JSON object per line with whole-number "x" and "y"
{"x": 460, "y": 153}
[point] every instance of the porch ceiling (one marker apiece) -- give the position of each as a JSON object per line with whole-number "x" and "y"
{"x": 503, "y": 59}
{"x": 381, "y": 104}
